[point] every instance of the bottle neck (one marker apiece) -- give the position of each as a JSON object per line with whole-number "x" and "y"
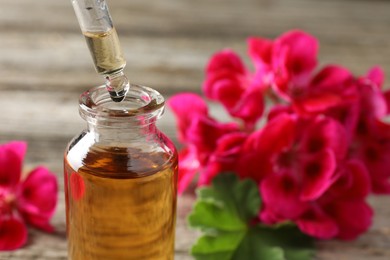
{"x": 123, "y": 132}
{"x": 132, "y": 119}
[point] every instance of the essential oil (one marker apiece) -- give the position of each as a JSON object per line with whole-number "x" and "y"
{"x": 109, "y": 61}
{"x": 106, "y": 51}
{"x": 120, "y": 204}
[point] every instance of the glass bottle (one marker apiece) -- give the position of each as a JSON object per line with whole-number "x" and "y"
{"x": 121, "y": 180}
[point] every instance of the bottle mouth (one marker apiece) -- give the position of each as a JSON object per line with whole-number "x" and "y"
{"x": 140, "y": 103}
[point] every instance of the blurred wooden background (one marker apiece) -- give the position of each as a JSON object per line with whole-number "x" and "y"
{"x": 45, "y": 65}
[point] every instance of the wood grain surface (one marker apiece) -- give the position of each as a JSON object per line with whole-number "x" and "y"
{"x": 45, "y": 65}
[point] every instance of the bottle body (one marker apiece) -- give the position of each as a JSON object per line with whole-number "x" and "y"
{"x": 121, "y": 193}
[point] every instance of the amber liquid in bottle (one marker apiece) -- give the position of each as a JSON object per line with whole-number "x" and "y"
{"x": 121, "y": 204}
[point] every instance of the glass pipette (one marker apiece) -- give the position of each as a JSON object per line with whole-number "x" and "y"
{"x": 102, "y": 40}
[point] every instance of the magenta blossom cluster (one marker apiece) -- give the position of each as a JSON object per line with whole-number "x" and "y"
{"x": 315, "y": 140}
{"x": 31, "y": 200}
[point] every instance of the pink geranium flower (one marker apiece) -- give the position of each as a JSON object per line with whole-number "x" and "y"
{"x": 31, "y": 200}
{"x": 330, "y": 87}
{"x": 285, "y": 64}
{"x": 306, "y": 161}
{"x": 229, "y": 82}
{"x": 199, "y": 132}
{"x": 372, "y": 142}
{"x": 224, "y": 157}
{"x": 317, "y": 151}
{"x": 342, "y": 211}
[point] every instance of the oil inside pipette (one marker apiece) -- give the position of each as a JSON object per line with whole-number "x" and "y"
{"x": 109, "y": 61}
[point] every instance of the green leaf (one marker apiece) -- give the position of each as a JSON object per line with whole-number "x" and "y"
{"x": 223, "y": 213}
{"x": 295, "y": 244}
{"x": 227, "y": 205}
{"x": 210, "y": 215}
{"x": 219, "y": 246}
{"x": 252, "y": 247}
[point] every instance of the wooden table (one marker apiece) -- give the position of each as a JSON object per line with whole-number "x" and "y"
{"x": 45, "y": 65}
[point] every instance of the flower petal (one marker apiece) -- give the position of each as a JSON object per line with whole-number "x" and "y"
{"x": 376, "y": 75}
{"x": 13, "y": 233}
{"x": 347, "y": 114}
{"x": 260, "y": 50}
{"x": 318, "y": 174}
{"x": 279, "y": 133}
{"x": 353, "y": 217}
{"x": 11, "y": 160}
{"x": 373, "y": 101}
{"x": 225, "y": 60}
{"x": 375, "y": 155}
{"x": 186, "y": 106}
{"x": 38, "y": 198}
{"x": 317, "y": 103}
{"x": 261, "y": 146}
{"x": 303, "y": 48}
{"x": 224, "y": 86}
{"x": 229, "y": 146}
{"x": 353, "y": 182}
{"x": 293, "y": 59}
{"x": 226, "y": 80}
{"x": 280, "y": 192}
{"x": 325, "y": 133}
{"x": 317, "y": 223}
{"x": 224, "y": 158}
{"x": 360, "y": 186}
{"x": 386, "y": 95}
{"x": 204, "y": 133}
{"x": 250, "y": 107}
{"x": 333, "y": 78}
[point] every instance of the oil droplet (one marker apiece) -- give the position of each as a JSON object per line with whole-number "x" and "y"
{"x": 117, "y": 85}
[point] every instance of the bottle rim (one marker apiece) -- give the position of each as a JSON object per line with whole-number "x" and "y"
{"x": 140, "y": 104}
